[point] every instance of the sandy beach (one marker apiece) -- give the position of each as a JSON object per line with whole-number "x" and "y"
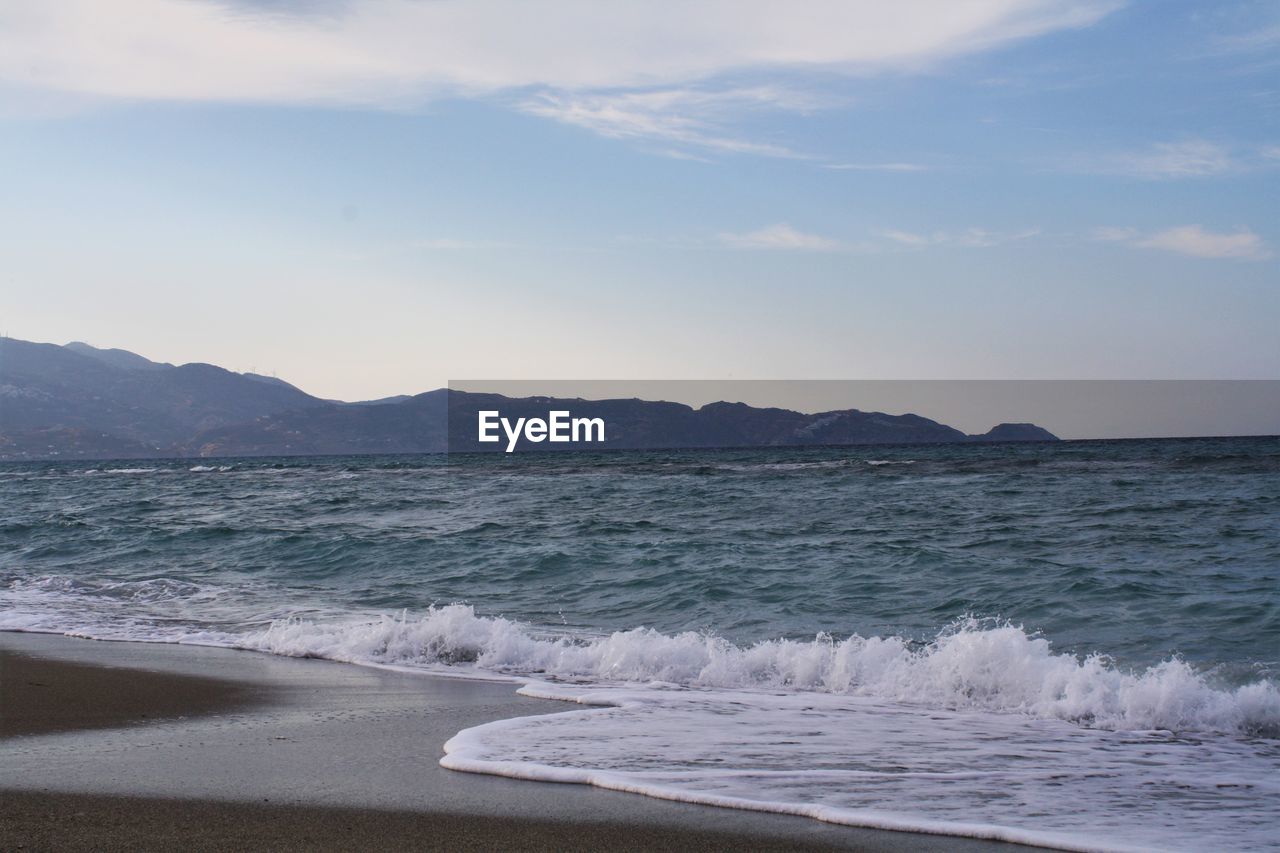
{"x": 146, "y": 746}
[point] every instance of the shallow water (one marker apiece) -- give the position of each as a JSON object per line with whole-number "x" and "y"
{"x": 1072, "y": 643}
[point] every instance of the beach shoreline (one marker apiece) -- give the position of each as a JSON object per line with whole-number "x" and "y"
{"x": 254, "y": 750}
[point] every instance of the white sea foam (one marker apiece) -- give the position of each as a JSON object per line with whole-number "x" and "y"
{"x": 985, "y": 731}
{"x": 164, "y": 610}
{"x": 864, "y": 762}
{"x": 978, "y": 733}
{"x": 972, "y": 665}
{"x": 204, "y": 469}
{"x": 975, "y": 664}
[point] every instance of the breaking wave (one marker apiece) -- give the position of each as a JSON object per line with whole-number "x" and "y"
{"x": 973, "y": 664}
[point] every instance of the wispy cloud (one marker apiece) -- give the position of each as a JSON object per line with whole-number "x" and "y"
{"x": 969, "y": 238}
{"x": 1192, "y": 240}
{"x": 674, "y": 117}
{"x": 1191, "y": 158}
{"x": 783, "y": 236}
{"x": 780, "y": 236}
{"x": 1187, "y": 158}
{"x": 1259, "y": 38}
{"x": 379, "y": 51}
{"x": 877, "y": 167}
{"x": 637, "y": 71}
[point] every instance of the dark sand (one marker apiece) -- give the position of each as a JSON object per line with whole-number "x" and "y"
{"x": 40, "y": 695}
{"x": 37, "y": 821}
{"x": 114, "y": 746}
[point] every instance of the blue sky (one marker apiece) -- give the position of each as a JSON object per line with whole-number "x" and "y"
{"x": 371, "y": 198}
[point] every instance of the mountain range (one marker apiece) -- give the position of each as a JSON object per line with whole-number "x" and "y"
{"x": 80, "y": 401}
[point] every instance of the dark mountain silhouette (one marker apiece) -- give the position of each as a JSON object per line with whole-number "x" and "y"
{"x": 80, "y": 401}
{"x": 1016, "y": 432}
{"x": 116, "y": 357}
{"x": 417, "y": 425}
{"x": 447, "y": 420}
{"x": 272, "y": 380}
{"x": 381, "y": 401}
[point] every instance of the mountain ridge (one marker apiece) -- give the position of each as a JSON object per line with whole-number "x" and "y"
{"x": 83, "y": 402}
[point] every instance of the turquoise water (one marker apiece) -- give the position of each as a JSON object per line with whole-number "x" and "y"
{"x": 1102, "y": 587}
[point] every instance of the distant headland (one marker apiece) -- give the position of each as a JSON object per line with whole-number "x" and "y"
{"x": 82, "y": 402}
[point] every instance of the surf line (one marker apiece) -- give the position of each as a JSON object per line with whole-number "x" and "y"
{"x": 558, "y": 426}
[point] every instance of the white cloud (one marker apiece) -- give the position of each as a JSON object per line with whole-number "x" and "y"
{"x": 970, "y": 238}
{"x": 386, "y": 53}
{"x": 877, "y": 167}
{"x": 906, "y": 238}
{"x": 783, "y": 236}
{"x": 1192, "y": 240}
{"x": 1190, "y": 158}
{"x": 1115, "y": 234}
{"x": 780, "y": 236}
{"x": 689, "y": 117}
{"x": 650, "y": 72}
{"x": 1260, "y": 38}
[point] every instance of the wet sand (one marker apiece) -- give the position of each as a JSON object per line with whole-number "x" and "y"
{"x": 136, "y": 746}
{"x": 42, "y": 695}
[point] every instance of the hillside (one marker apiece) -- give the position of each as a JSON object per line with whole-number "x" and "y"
{"x": 79, "y": 401}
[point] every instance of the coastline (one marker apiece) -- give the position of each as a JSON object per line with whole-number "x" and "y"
{"x": 254, "y": 750}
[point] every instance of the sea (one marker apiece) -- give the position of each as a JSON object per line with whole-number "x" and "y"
{"x": 1070, "y": 644}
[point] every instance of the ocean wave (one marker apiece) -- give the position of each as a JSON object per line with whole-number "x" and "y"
{"x": 863, "y": 762}
{"x": 865, "y": 731}
{"x": 974, "y": 664}
{"x": 154, "y": 610}
{"x": 148, "y": 589}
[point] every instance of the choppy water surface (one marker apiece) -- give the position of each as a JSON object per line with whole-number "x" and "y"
{"x": 1073, "y": 644}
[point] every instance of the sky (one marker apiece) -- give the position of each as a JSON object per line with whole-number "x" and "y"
{"x": 374, "y": 197}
